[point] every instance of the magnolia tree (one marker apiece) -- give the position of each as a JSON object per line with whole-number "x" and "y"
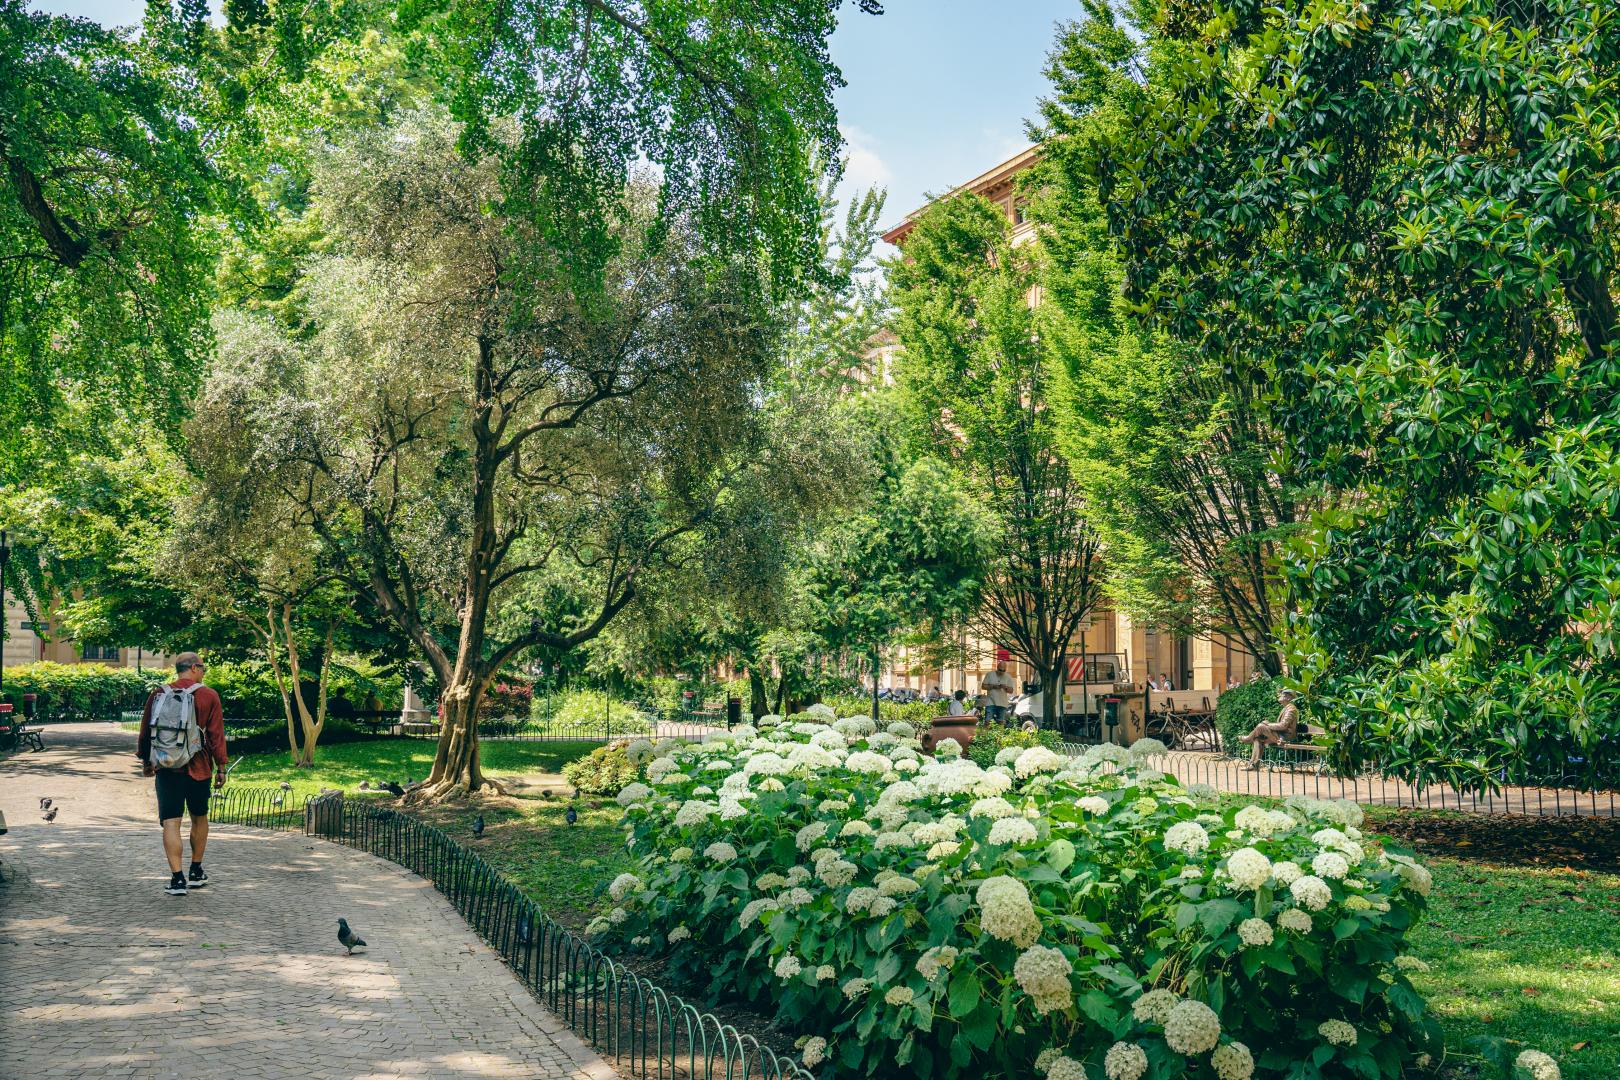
{"x": 470, "y": 431}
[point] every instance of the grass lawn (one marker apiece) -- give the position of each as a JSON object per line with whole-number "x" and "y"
{"x": 1530, "y": 954}
{"x": 344, "y": 765}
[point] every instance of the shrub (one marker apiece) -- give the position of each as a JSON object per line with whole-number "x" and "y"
{"x": 248, "y": 689}
{"x": 508, "y": 697}
{"x": 594, "y": 712}
{"x": 943, "y": 919}
{"x": 604, "y": 771}
{"x": 79, "y": 691}
{"x": 990, "y": 739}
{"x": 1242, "y": 707}
{"x": 919, "y": 714}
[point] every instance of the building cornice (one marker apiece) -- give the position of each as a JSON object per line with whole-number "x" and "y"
{"x": 989, "y": 182}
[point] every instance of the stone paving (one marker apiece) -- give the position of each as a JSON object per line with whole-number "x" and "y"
{"x": 103, "y": 975}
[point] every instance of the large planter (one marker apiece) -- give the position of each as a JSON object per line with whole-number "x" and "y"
{"x": 960, "y": 728}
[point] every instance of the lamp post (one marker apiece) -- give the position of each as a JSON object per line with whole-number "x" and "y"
{"x": 5, "y": 613}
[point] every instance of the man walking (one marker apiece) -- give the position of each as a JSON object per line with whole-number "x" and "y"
{"x": 182, "y": 732}
{"x": 999, "y": 686}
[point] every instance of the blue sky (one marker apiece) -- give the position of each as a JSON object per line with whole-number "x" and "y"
{"x": 938, "y": 92}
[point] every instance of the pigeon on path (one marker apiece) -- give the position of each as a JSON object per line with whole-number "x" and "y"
{"x": 278, "y": 800}
{"x": 394, "y": 789}
{"x": 44, "y": 804}
{"x": 50, "y": 815}
{"x": 571, "y": 815}
{"x": 478, "y": 825}
{"x": 348, "y": 938}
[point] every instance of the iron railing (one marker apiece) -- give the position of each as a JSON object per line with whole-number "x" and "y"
{"x": 611, "y": 724}
{"x": 646, "y": 1030}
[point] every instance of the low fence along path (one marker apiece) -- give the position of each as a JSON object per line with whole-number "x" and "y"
{"x": 103, "y": 975}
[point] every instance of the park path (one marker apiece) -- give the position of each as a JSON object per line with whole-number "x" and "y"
{"x": 102, "y": 975}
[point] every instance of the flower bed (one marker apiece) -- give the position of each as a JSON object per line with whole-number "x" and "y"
{"x": 1066, "y": 917}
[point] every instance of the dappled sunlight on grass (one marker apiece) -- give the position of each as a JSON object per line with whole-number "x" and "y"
{"x": 345, "y": 765}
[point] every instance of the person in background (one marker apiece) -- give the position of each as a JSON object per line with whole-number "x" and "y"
{"x": 935, "y": 696}
{"x": 957, "y": 708}
{"x": 1278, "y": 731}
{"x": 999, "y": 686}
{"x": 185, "y": 788}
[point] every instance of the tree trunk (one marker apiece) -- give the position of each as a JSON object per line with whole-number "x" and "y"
{"x": 1051, "y": 695}
{"x": 756, "y": 693}
{"x": 456, "y": 765}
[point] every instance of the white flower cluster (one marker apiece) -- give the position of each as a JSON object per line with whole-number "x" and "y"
{"x": 720, "y": 851}
{"x": 623, "y": 885}
{"x": 1537, "y": 1065}
{"x": 1187, "y": 837}
{"x": 1006, "y": 912}
{"x": 1192, "y": 1028}
{"x": 1255, "y": 933}
{"x": 1337, "y": 1032}
{"x": 1012, "y": 831}
{"x": 1125, "y": 1061}
{"x": 1232, "y": 1061}
{"x": 1043, "y": 973}
{"x": 1311, "y": 892}
{"x": 1154, "y": 1006}
{"x": 936, "y": 961}
{"x": 1248, "y": 868}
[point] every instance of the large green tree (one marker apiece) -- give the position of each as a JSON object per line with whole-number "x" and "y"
{"x": 462, "y": 420}
{"x": 1405, "y": 213}
{"x": 975, "y": 372}
{"x": 1173, "y": 445}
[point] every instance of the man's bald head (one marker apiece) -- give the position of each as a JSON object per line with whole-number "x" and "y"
{"x": 185, "y": 662}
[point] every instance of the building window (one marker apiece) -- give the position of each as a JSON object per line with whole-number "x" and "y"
{"x": 1018, "y": 212}
{"x": 100, "y": 652}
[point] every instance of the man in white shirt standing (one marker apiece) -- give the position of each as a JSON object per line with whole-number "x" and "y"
{"x": 999, "y": 686}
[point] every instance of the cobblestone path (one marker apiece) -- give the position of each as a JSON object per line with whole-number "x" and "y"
{"x": 102, "y": 975}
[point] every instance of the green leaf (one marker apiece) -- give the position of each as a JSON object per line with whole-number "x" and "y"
{"x": 964, "y": 993}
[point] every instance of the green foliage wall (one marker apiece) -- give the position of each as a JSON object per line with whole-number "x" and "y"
{"x": 1242, "y": 707}
{"x": 79, "y": 691}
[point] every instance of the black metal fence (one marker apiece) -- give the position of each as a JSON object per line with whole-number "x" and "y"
{"x": 645, "y": 1030}
{"x": 636, "y": 721}
{"x": 1291, "y": 772}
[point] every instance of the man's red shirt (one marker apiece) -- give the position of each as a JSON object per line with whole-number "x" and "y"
{"x": 210, "y": 720}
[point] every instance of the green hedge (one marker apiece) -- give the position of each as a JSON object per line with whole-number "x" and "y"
{"x": 1242, "y": 707}
{"x": 919, "y": 714}
{"x": 248, "y": 688}
{"x": 79, "y": 691}
{"x": 991, "y": 739}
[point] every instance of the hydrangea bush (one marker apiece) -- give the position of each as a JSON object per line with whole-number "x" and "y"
{"x": 1066, "y": 917}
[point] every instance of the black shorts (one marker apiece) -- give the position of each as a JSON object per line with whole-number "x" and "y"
{"x": 178, "y": 791}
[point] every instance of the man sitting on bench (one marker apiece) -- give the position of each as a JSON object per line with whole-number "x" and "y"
{"x": 1278, "y": 731}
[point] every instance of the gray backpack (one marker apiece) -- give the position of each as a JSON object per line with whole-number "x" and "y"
{"x": 176, "y": 738}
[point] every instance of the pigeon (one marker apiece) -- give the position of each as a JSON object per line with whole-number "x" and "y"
{"x": 277, "y": 801}
{"x": 523, "y": 933}
{"x": 365, "y": 785}
{"x": 348, "y": 938}
{"x": 44, "y": 804}
{"x": 571, "y": 815}
{"x": 286, "y": 785}
{"x": 478, "y": 825}
{"x": 393, "y": 789}
{"x": 50, "y": 815}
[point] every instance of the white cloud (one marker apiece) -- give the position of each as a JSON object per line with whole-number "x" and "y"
{"x": 864, "y": 167}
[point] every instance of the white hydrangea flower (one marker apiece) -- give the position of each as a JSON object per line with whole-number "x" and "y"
{"x": 694, "y": 812}
{"x": 887, "y": 840}
{"x": 905, "y": 766}
{"x": 856, "y": 827}
{"x": 1192, "y": 1028}
{"x": 771, "y": 783}
{"x": 1285, "y": 873}
{"x": 856, "y": 988}
{"x": 1329, "y": 838}
{"x": 1248, "y": 868}
{"x": 1537, "y": 1065}
{"x": 1232, "y": 1061}
{"x": 795, "y": 897}
{"x": 815, "y": 1051}
{"x": 1413, "y": 876}
{"x": 753, "y": 908}
{"x": 993, "y": 782}
{"x": 811, "y": 758}
{"x": 897, "y": 886}
{"x": 993, "y": 808}
{"x": 1006, "y": 912}
{"x": 899, "y": 995}
{"x": 1044, "y": 1059}
{"x": 944, "y": 849}
{"x": 1202, "y": 791}
{"x": 1125, "y": 1061}
{"x": 731, "y": 809}
{"x": 618, "y": 916}
{"x": 1037, "y": 759}
{"x": 681, "y": 854}
{"x": 1093, "y": 804}
{"x": 720, "y": 851}
{"x": 1258, "y": 820}
{"x": 680, "y": 933}
{"x": 1106, "y": 753}
{"x": 623, "y": 886}
{"x": 1296, "y": 920}
{"x": 947, "y": 749}
{"x": 935, "y": 961}
{"x": 900, "y": 729}
{"x": 865, "y": 761}
{"x": 1012, "y": 831}
{"x": 826, "y": 973}
{"x": 1311, "y": 892}
{"x": 798, "y": 875}
{"x": 633, "y": 793}
{"x": 1146, "y": 748}
{"x": 1065, "y": 1068}
{"x": 1043, "y": 973}
{"x": 1337, "y": 1032}
{"x": 859, "y": 899}
{"x": 767, "y": 763}
{"x": 899, "y": 793}
{"x": 806, "y": 837}
{"x": 1187, "y": 837}
{"x": 1008, "y": 754}
{"x": 658, "y": 768}
{"x": 1255, "y": 932}
{"x": 1330, "y": 864}
{"x": 835, "y": 873}
{"x": 1154, "y": 1006}
{"x": 787, "y": 967}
